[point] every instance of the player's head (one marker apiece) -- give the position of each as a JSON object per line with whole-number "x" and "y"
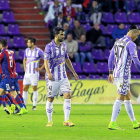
{"x": 3, "y": 43}
{"x": 59, "y": 34}
{"x": 133, "y": 32}
{"x": 31, "y": 42}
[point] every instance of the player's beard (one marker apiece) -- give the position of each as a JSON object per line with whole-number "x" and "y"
{"x": 61, "y": 40}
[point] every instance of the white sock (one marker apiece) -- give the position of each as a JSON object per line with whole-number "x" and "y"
{"x": 67, "y": 108}
{"x": 35, "y": 97}
{"x": 129, "y": 109}
{"x": 49, "y": 110}
{"x": 25, "y": 97}
{"x": 116, "y": 110}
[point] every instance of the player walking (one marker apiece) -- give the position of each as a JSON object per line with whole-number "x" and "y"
{"x": 31, "y": 60}
{"x": 55, "y": 56}
{"x": 122, "y": 54}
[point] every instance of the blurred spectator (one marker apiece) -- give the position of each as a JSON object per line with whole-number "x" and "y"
{"x": 66, "y": 29}
{"x": 78, "y": 30}
{"x": 53, "y": 11}
{"x": 72, "y": 48}
{"x": 95, "y": 35}
{"x": 96, "y": 12}
{"x": 59, "y": 21}
{"x": 69, "y": 11}
{"x": 119, "y": 32}
{"x": 85, "y": 50}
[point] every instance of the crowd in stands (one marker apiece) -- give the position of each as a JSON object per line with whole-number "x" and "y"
{"x": 90, "y": 24}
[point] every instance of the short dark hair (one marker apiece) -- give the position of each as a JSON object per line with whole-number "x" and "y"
{"x": 33, "y": 40}
{"x": 56, "y": 30}
{"x": 3, "y": 42}
{"x": 133, "y": 27}
{"x": 59, "y": 13}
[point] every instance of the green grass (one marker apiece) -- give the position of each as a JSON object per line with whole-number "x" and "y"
{"x": 91, "y": 124}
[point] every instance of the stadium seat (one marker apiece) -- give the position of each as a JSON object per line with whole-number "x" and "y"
{"x": 21, "y": 54}
{"x": 89, "y": 68}
{"x": 134, "y": 18}
{"x": 133, "y": 69}
{"x": 97, "y": 54}
{"x": 8, "y": 17}
{"x": 18, "y": 68}
{"x": 8, "y": 40}
{"x": 18, "y": 42}
{"x": 13, "y": 29}
{"x": 94, "y": 76}
{"x": 107, "y": 53}
{"x": 107, "y": 17}
{"x": 77, "y": 67}
{"x": 102, "y": 27}
{"x": 102, "y": 67}
{"x": 2, "y": 30}
{"x": 20, "y": 77}
{"x": 108, "y": 42}
{"x": 104, "y": 76}
{"x": 86, "y": 26}
{"x": 4, "y": 5}
{"x": 126, "y": 26}
{"x": 110, "y": 28}
{"x": 14, "y": 55}
{"x": 121, "y": 17}
{"x": 82, "y": 77}
{"x": 135, "y": 76}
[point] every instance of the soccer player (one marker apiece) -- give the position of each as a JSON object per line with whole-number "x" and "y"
{"x": 32, "y": 56}
{"x": 122, "y": 54}
{"x": 8, "y": 74}
{"x": 55, "y": 56}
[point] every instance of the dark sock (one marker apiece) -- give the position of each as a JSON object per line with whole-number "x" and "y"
{"x": 7, "y": 100}
{"x": 22, "y": 99}
{"x": 3, "y": 101}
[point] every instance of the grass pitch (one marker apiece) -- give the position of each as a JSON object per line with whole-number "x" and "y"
{"x": 91, "y": 124}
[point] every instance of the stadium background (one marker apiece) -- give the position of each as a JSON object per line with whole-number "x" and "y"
{"x": 20, "y": 19}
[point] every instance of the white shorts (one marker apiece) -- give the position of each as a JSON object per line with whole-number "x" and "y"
{"x": 123, "y": 84}
{"x": 31, "y": 79}
{"x": 63, "y": 86}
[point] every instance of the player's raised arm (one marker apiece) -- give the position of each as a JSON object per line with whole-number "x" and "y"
{"x": 110, "y": 66}
{"x": 69, "y": 64}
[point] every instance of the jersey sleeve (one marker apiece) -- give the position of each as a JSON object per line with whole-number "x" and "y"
{"x": 25, "y": 56}
{"x": 66, "y": 53}
{"x": 111, "y": 59}
{"x": 47, "y": 52}
{"x": 1, "y": 56}
{"x": 133, "y": 53}
{"x": 41, "y": 54}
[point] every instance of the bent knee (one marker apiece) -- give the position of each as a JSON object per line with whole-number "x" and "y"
{"x": 67, "y": 95}
{"x": 50, "y": 99}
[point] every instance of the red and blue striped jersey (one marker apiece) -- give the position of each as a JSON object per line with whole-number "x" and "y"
{"x": 8, "y": 66}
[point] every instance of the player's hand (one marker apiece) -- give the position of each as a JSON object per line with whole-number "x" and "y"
{"x": 50, "y": 76}
{"x": 76, "y": 76}
{"x": 110, "y": 78}
{"x": 37, "y": 69}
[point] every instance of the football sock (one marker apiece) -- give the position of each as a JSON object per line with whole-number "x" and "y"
{"x": 19, "y": 102}
{"x": 25, "y": 97}
{"x": 49, "y": 110}
{"x": 67, "y": 108}
{"x": 7, "y": 100}
{"x": 35, "y": 97}
{"x": 11, "y": 100}
{"x": 116, "y": 109}
{"x": 22, "y": 99}
{"x": 129, "y": 109}
{"x": 3, "y": 101}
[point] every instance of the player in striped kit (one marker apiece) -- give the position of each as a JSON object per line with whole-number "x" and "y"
{"x": 32, "y": 56}
{"x": 55, "y": 57}
{"x": 122, "y": 54}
